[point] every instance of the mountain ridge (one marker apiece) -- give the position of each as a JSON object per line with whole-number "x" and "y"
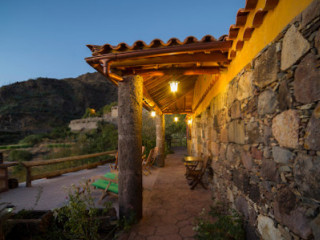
{"x": 38, "y": 105}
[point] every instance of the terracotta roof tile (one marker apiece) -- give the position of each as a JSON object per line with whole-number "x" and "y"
{"x": 156, "y": 43}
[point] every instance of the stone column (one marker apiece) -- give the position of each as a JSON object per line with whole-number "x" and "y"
{"x": 129, "y": 146}
{"x": 160, "y": 141}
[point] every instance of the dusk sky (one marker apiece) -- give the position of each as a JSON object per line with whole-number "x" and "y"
{"x": 41, "y": 38}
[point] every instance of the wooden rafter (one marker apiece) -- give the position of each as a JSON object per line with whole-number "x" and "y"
{"x": 175, "y": 59}
{"x": 179, "y": 98}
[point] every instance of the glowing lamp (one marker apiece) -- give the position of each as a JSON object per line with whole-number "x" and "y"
{"x": 153, "y": 113}
{"x": 174, "y": 86}
{"x": 190, "y": 121}
{"x": 176, "y": 119}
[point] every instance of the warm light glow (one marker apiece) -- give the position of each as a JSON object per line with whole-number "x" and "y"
{"x": 176, "y": 119}
{"x": 190, "y": 121}
{"x": 153, "y": 113}
{"x": 174, "y": 86}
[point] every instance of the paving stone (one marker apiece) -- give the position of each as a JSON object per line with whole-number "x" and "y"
{"x": 307, "y": 175}
{"x": 310, "y": 13}
{"x": 187, "y": 231}
{"x": 284, "y": 96}
{"x": 146, "y": 230}
{"x": 307, "y": 80}
{"x": 285, "y": 128}
{"x": 183, "y": 223}
{"x": 266, "y": 67}
{"x": 312, "y": 136}
{"x": 236, "y": 132}
{"x": 282, "y": 155}
{"x": 156, "y": 238}
{"x": 267, "y": 102}
{"x": 245, "y": 87}
{"x": 266, "y": 228}
{"x": 173, "y": 237}
{"x": 294, "y": 46}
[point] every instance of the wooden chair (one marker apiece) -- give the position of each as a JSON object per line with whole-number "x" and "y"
{"x": 108, "y": 183}
{"x": 146, "y": 163}
{"x": 114, "y": 166}
{"x": 195, "y": 175}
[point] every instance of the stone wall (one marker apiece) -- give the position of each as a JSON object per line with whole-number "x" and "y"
{"x": 264, "y": 135}
{"x": 87, "y": 124}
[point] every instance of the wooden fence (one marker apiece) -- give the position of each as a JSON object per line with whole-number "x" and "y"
{"x": 31, "y": 164}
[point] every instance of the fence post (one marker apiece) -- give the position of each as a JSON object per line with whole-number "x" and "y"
{"x": 28, "y": 177}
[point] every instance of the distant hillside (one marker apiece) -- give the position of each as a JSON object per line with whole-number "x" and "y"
{"x": 41, "y": 104}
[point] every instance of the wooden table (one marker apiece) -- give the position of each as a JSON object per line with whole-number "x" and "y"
{"x": 4, "y": 175}
{"x": 191, "y": 159}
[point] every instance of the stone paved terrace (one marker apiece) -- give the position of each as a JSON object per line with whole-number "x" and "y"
{"x": 170, "y": 207}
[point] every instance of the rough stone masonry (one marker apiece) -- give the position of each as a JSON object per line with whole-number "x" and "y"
{"x": 264, "y": 134}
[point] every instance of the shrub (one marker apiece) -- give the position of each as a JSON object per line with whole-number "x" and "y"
{"x": 77, "y": 218}
{"x": 220, "y": 223}
{"x": 32, "y": 139}
{"x": 107, "y": 108}
{"x": 20, "y": 155}
{"x": 59, "y": 132}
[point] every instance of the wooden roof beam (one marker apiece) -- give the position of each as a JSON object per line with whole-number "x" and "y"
{"x": 173, "y": 59}
{"x": 151, "y": 103}
{"x": 179, "y": 98}
{"x": 183, "y": 71}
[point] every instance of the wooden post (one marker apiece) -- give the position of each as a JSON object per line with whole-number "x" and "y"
{"x": 129, "y": 146}
{"x": 28, "y": 176}
{"x": 160, "y": 140}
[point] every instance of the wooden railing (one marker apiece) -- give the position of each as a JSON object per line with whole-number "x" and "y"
{"x": 36, "y": 163}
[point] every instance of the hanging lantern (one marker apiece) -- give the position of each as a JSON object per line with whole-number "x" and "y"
{"x": 174, "y": 86}
{"x": 153, "y": 114}
{"x": 176, "y": 119}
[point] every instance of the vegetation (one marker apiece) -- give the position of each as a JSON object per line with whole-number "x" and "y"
{"x": 107, "y": 108}
{"x": 77, "y": 220}
{"x": 148, "y": 131}
{"x": 20, "y": 155}
{"x": 32, "y": 139}
{"x": 15, "y": 146}
{"x": 220, "y": 223}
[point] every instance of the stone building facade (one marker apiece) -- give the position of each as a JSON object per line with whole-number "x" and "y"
{"x": 263, "y": 132}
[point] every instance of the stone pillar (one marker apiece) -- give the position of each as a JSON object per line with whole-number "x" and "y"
{"x": 160, "y": 141}
{"x": 129, "y": 146}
